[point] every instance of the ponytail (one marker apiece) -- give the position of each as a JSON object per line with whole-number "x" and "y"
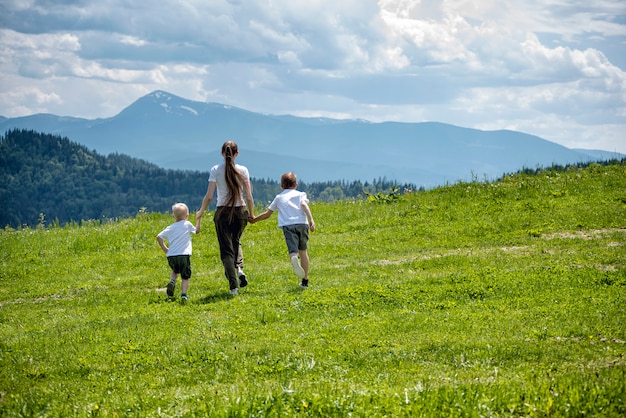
{"x": 234, "y": 178}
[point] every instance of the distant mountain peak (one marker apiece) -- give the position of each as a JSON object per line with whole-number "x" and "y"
{"x": 320, "y": 149}
{"x": 160, "y": 97}
{"x": 159, "y": 94}
{"x": 173, "y": 104}
{"x": 161, "y": 102}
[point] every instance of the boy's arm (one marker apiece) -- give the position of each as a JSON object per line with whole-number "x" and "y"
{"x": 309, "y": 216}
{"x": 162, "y": 244}
{"x": 263, "y": 216}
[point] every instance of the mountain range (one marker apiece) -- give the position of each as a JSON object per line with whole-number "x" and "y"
{"x": 177, "y": 133}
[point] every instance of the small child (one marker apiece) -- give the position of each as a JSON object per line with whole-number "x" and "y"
{"x": 295, "y": 219}
{"x": 178, "y": 254}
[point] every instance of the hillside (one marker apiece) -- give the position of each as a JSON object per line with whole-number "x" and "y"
{"x": 476, "y": 299}
{"x": 176, "y": 133}
{"x": 48, "y": 178}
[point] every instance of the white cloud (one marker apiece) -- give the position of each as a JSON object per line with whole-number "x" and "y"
{"x": 549, "y": 68}
{"x": 132, "y": 40}
{"x": 35, "y": 97}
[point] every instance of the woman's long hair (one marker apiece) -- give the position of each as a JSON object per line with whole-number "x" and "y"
{"x": 234, "y": 179}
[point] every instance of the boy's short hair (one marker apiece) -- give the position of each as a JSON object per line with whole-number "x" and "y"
{"x": 180, "y": 210}
{"x": 288, "y": 180}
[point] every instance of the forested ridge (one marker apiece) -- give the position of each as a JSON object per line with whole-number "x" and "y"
{"x": 46, "y": 178}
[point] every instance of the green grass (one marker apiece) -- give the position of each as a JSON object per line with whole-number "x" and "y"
{"x": 475, "y": 299}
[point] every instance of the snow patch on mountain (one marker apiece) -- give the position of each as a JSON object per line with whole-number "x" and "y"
{"x": 190, "y": 110}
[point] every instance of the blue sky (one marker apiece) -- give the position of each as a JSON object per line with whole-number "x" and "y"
{"x": 552, "y": 68}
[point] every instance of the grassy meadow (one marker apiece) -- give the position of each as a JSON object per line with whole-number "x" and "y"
{"x": 501, "y": 298}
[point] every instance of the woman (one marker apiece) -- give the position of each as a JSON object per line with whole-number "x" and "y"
{"x": 234, "y": 194}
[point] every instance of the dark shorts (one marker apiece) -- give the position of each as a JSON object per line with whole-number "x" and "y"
{"x": 296, "y": 237}
{"x": 180, "y": 264}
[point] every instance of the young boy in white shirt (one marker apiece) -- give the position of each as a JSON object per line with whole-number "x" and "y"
{"x": 178, "y": 236}
{"x": 295, "y": 219}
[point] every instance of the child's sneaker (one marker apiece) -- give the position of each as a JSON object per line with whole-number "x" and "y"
{"x": 170, "y": 288}
{"x": 184, "y": 297}
{"x": 305, "y": 283}
{"x": 297, "y": 268}
{"x": 234, "y": 291}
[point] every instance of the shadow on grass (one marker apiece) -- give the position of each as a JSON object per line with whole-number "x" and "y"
{"x": 212, "y": 298}
{"x": 219, "y": 296}
{"x": 216, "y": 297}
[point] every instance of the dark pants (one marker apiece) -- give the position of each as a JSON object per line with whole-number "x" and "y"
{"x": 239, "y": 261}
{"x": 228, "y": 236}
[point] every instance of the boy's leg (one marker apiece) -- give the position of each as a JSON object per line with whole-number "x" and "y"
{"x": 185, "y": 275}
{"x": 304, "y": 262}
{"x": 171, "y": 285}
{"x": 303, "y": 235}
{"x": 295, "y": 264}
{"x": 184, "y": 286}
{"x": 304, "y": 259}
{"x": 292, "y": 239}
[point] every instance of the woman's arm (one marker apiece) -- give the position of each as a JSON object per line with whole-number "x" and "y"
{"x": 206, "y": 201}
{"x": 249, "y": 198}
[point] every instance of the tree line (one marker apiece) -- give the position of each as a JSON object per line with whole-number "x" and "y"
{"x": 49, "y": 178}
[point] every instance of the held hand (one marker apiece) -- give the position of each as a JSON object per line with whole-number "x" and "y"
{"x": 198, "y": 221}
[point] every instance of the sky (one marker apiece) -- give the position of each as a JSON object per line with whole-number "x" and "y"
{"x": 551, "y": 68}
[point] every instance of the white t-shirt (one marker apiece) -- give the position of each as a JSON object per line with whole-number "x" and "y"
{"x": 288, "y": 204}
{"x": 218, "y": 175}
{"x": 178, "y": 236}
